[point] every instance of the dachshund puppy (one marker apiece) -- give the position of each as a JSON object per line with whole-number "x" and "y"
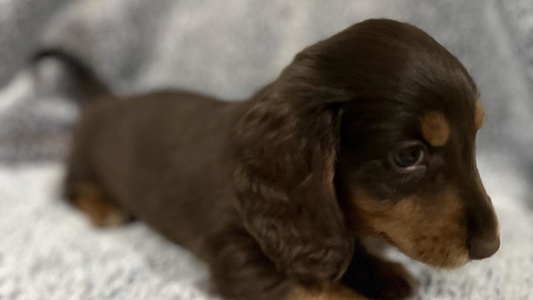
{"x": 368, "y": 133}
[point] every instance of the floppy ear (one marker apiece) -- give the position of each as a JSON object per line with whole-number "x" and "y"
{"x": 286, "y": 151}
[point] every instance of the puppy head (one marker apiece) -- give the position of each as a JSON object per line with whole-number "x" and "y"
{"x": 414, "y": 182}
{"x": 406, "y": 165}
{"x": 370, "y": 130}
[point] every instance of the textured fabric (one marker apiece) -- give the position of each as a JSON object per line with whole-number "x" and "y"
{"x": 229, "y": 49}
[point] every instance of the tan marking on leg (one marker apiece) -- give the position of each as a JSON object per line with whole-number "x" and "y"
{"x": 479, "y": 117}
{"x": 435, "y": 129}
{"x": 330, "y": 291}
{"x": 101, "y": 212}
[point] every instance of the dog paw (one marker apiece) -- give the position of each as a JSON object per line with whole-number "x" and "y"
{"x": 328, "y": 291}
{"x": 101, "y": 213}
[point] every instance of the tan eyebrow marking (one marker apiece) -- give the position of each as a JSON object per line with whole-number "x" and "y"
{"x": 479, "y": 117}
{"x": 435, "y": 129}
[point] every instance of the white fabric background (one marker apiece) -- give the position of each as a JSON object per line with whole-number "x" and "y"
{"x": 229, "y": 49}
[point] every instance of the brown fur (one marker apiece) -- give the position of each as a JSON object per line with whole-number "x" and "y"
{"x": 101, "y": 212}
{"x": 325, "y": 292}
{"x": 275, "y": 193}
{"x": 411, "y": 226}
{"x": 435, "y": 129}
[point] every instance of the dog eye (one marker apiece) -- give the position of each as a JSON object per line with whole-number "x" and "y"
{"x": 408, "y": 156}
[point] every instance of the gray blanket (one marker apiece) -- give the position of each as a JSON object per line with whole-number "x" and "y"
{"x": 229, "y": 49}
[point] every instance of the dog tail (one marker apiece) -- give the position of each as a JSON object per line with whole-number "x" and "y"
{"x": 87, "y": 84}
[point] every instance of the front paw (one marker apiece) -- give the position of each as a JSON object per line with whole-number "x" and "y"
{"x": 378, "y": 279}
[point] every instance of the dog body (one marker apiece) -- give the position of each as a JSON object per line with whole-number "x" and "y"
{"x": 369, "y": 132}
{"x": 116, "y": 153}
{"x": 118, "y": 146}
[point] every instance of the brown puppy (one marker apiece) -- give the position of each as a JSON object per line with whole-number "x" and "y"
{"x": 369, "y": 132}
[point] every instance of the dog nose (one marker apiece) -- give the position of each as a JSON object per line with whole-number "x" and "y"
{"x": 482, "y": 246}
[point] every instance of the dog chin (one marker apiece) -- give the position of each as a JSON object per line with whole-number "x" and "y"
{"x": 454, "y": 260}
{"x": 449, "y": 262}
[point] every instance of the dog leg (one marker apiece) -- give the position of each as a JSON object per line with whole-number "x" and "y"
{"x": 90, "y": 199}
{"x": 376, "y": 278}
{"x": 81, "y": 187}
{"x": 242, "y": 271}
